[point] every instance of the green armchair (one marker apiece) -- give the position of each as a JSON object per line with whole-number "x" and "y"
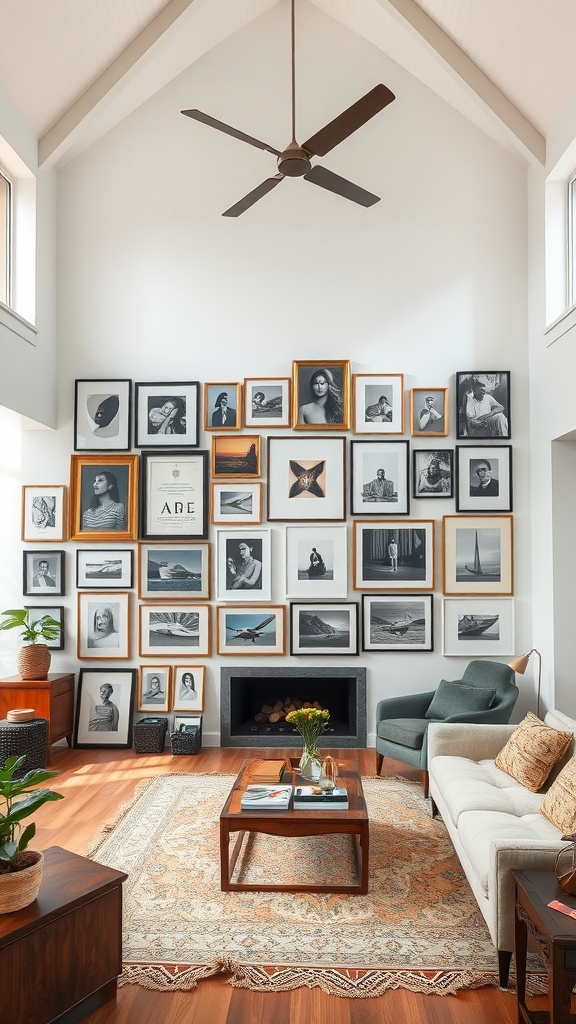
{"x": 485, "y": 693}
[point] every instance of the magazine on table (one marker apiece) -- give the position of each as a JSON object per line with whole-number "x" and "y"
{"x": 256, "y": 798}
{"x": 313, "y": 797}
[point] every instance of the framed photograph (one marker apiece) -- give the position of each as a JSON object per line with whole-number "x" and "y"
{"x": 174, "y": 496}
{"x": 252, "y": 630}
{"x": 316, "y": 561}
{"x": 329, "y": 627}
{"x": 321, "y": 394}
{"x": 267, "y": 402}
{"x": 243, "y": 565}
{"x": 484, "y": 478}
{"x": 433, "y": 473}
{"x": 98, "y": 567}
{"x": 395, "y": 556}
{"x": 238, "y": 457}
{"x": 234, "y": 504}
{"x": 43, "y": 573}
{"x": 394, "y": 623}
{"x": 56, "y": 612}
{"x": 44, "y": 513}
{"x": 483, "y": 404}
{"x": 306, "y": 479}
{"x": 188, "y": 688}
{"x": 104, "y": 707}
{"x": 103, "y": 625}
{"x": 378, "y": 403}
{"x": 174, "y": 571}
{"x": 167, "y": 415}
{"x": 429, "y": 412}
{"x": 472, "y": 627}
{"x": 187, "y": 723}
{"x": 223, "y": 406}
{"x": 379, "y": 478}
{"x": 175, "y": 630}
{"x": 104, "y": 498}
{"x": 153, "y": 688}
{"x": 102, "y": 415}
{"x": 478, "y": 555}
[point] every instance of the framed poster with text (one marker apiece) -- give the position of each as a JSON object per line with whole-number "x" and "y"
{"x": 174, "y": 496}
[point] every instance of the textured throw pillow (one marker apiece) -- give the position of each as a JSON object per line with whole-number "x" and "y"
{"x": 532, "y": 751}
{"x": 559, "y": 804}
{"x": 456, "y": 698}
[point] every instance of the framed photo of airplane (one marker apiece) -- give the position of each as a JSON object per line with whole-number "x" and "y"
{"x": 256, "y": 629}
{"x": 174, "y": 631}
{"x": 306, "y": 479}
{"x": 170, "y": 572}
{"x": 394, "y": 622}
{"x": 473, "y": 627}
{"x": 478, "y": 556}
{"x": 236, "y": 504}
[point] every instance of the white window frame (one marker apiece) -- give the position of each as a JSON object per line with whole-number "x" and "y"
{"x": 571, "y": 234}
{"x": 6, "y": 240}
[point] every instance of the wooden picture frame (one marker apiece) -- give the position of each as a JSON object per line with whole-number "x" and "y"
{"x": 306, "y": 479}
{"x": 174, "y": 631}
{"x": 379, "y": 478}
{"x": 106, "y": 568}
{"x": 236, "y": 457}
{"x": 154, "y": 688}
{"x": 429, "y": 412}
{"x": 378, "y": 403}
{"x": 57, "y": 613}
{"x": 252, "y": 630}
{"x": 173, "y": 572}
{"x": 484, "y": 478}
{"x": 102, "y": 415}
{"x": 236, "y": 504}
{"x": 393, "y": 622}
{"x": 174, "y": 496}
{"x": 432, "y": 472}
{"x": 316, "y": 562}
{"x": 324, "y": 627}
{"x": 104, "y": 708}
{"x": 222, "y": 406}
{"x": 478, "y": 555}
{"x": 321, "y": 394}
{"x": 103, "y": 625}
{"x": 394, "y": 555}
{"x": 44, "y": 513}
{"x": 243, "y": 565}
{"x": 267, "y": 402}
{"x": 478, "y": 627}
{"x": 483, "y": 405}
{"x": 188, "y": 688}
{"x": 43, "y": 573}
{"x": 104, "y": 498}
{"x": 167, "y": 415}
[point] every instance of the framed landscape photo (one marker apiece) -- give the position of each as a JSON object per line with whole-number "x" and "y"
{"x": 104, "y": 707}
{"x": 432, "y": 473}
{"x": 103, "y": 625}
{"x": 483, "y": 404}
{"x": 391, "y": 622}
{"x": 44, "y": 513}
{"x": 153, "y": 688}
{"x": 188, "y": 688}
{"x": 316, "y": 561}
{"x": 243, "y": 565}
{"x": 104, "y": 498}
{"x": 476, "y": 627}
{"x": 378, "y": 403}
{"x": 174, "y": 571}
{"x": 252, "y": 630}
{"x": 174, "y": 631}
{"x": 306, "y": 479}
{"x": 379, "y": 478}
{"x": 56, "y": 612}
{"x": 174, "y": 496}
{"x": 267, "y": 402}
{"x": 478, "y": 555}
{"x": 429, "y": 412}
{"x": 321, "y": 394}
{"x": 238, "y": 457}
{"x": 394, "y": 556}
{"x": 43, "y": 573}
{"x": 222, "y": 406}
{"x": 167, "y": 415}
{"x": 236, "y": 504}
{"x": 106, "y": 568}
{"x": 484, "y": 478}
{"x": 324, "y": 627}
{"x": 102, "y": 415}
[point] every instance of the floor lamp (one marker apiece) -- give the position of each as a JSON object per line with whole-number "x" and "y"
{"x": 520, "y": 665}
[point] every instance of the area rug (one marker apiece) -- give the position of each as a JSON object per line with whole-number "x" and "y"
{"x": 418, "y": 927}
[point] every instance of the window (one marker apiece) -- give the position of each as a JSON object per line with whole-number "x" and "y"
{"x": 572, "y": 240}
{"x": 5, "y": 236}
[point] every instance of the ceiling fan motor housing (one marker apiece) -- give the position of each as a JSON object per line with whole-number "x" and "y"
{"x": 294, "y": 161}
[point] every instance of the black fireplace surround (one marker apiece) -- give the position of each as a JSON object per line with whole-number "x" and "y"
{"x": 244, "y": 690}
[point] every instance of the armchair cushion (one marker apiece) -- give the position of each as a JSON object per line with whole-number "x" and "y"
{"x": 456, "y": 698}
{"x": 408, "y": 732}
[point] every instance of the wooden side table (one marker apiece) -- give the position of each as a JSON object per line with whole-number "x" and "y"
{"x": 52, "y": 699}
{"x": 61, "y": 956}
{"x": 555, "y": 935}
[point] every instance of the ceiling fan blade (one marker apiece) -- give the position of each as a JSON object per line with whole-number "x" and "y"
{"x": 254, "y": 196}
{"x": 341, "y": 186}
{"x": 349, "y": 120}
{"x": 197, "y": 115}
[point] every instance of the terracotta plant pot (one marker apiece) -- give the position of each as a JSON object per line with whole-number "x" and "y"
{"x": 34, "y": 661}
{"x": 20, "y": 888}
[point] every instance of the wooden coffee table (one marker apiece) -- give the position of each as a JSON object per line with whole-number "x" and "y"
{"x": 291, "y": 823}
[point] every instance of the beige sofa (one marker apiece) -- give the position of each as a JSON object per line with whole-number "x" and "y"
{"x": 493, "y": 821}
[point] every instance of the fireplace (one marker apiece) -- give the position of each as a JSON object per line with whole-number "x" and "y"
{"x": 243, "y": 692}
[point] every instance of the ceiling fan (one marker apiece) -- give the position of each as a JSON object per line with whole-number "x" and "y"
{"x": 294, "y": 161}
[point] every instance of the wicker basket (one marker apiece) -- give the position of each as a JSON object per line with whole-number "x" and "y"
{"x": 33, "y": 661}
{"x": 20, "y": 888}
{"x": 189, "y": 742}
{"x": 149, "y": 735}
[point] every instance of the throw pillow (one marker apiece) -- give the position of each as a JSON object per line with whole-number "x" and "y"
{"x": 532, "y": 751}
{"x": 559, "y": 804}
{"x": 456, "y": 698}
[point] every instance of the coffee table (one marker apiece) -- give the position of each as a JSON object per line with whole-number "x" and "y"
{"x": 291, "y": 823}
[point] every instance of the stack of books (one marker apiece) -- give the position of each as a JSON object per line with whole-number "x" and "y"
{"x": 268, "y": 770}
{"x": 314, "y": 798}
{"x": 259, "y": 798}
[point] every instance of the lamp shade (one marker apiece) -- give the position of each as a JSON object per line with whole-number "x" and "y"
{"x": 520, "y": 664}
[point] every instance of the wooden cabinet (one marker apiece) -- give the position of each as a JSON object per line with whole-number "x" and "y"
{"x": 52, "y": 699}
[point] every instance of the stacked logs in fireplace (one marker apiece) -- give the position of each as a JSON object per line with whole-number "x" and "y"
{"x": 277, "y": 712}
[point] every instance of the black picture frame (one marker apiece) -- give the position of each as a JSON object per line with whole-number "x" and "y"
{"x": 57, "y": 612}
{"x": 52, "y": 582}
{"x": 436, "y": 484}
{"x": 108, "y": 723}
{"x": 102, "y": 414}
{"x": 174, "y": 495}
{"x": 167, "y": 414}
{"x": 496, "y": 385}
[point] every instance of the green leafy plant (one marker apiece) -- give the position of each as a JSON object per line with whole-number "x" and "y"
{"x": 33, "y": 630}
{"x": 14, "y": 837}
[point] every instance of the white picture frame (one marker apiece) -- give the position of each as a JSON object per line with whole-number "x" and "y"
{"x": 306, "y": 478}
{"x": 378, "y": 403}
{"x": 475, "y": 627}
{"x": 243, "y": 565}
{"x": 188, "y": 688}
{"x": 174, "y": 630}
{"x": 103, "y": 625}
{"x": 379, "y": 478}
{"x": 236, "y": 504}
{"x": 44, "y": 513}
{"x": 316, "y": 562}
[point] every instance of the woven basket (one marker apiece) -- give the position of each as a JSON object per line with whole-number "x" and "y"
{"x": 20, "y": 888}
{"x": 33, "y": 661}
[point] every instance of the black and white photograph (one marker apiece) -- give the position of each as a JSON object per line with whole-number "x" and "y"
{"x": 324, "y": 628}
{"x": 44, "y": 513}
{"x": 55, "y": 612}
{"x": 167, "y": 415}
{"x": 306, "y": 479}
{"x": 174, "y": 571}
{"x": 267, "y": 402}
{"x": 99, "y": 567}
{"x": 244, "y": 567}
{"x": 103, "y": 625}
{"x": 483, "y": 404}
{"x": 174, "y": 630}
{"x": 316, "y": 561}
{"x": 222, "y": 406}
{"x": 153, "y": 688}
{"x": 174, "y": 496}
{"x": 321, "y": 395}
{"x": 102, "y": 415}
{"x": 397, "y": 623}
{"x": 104, "y": 707}
{"x": 429, "y": 412}
{"x": 188, "y": 688}
{"x": 103, "y": 497}
{"x": 433, "y": 473}
{"x": 43, "y": 573}
{"x": 477, "y": 627}
{"x": 255, "y": 630}
{"x": 236, "y": 504}
{"x": 398, "y": 555}
{"x": 379, "y": 478}
{"x": 378, "y": 403}
{"x": 238, "y": 457}
{"x": 478, "y": 555}
{"x": 484, "y": 478}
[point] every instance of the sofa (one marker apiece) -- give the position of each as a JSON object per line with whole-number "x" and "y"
{"x": 494, "y": 822}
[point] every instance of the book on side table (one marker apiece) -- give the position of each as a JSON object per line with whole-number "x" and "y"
{"x": 275, "y": 797}
{"x": 268, "y": 770}
{"x": 315, "y": 798}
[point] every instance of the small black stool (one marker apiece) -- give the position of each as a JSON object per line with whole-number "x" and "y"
{"x": 25, "y": 738}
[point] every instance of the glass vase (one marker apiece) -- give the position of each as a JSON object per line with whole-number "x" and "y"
{"x": 310, "y": 764}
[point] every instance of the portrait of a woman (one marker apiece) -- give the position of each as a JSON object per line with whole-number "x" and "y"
{"x": 104, "y": 632}
{"x": 106, "y": 511}
{"x": 105, "y": 717}
{"x": 321, "y": 396}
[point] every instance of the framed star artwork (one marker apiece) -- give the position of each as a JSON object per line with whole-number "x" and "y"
{"x": 306, "y": 477}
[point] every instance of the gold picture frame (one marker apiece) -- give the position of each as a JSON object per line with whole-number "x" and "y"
{"x": 106, "y": 509}
{"x": 327, "y": 408}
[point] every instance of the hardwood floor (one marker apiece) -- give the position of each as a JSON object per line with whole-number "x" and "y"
{"x": 96, "y": 783}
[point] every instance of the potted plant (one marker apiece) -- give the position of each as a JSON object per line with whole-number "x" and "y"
{"x": 20, "y": 868}
{"x": 33, "y": 658}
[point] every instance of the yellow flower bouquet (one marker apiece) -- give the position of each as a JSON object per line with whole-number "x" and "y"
{"x": 311, "y": 723}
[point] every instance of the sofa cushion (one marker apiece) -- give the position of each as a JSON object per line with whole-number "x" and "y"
{"x": 559, "y": 804}
{"x": 479, "y": 830}
{"x": 468, "y": 785}
{"x": 408, "y": 732}
{"x": 532, "y": 751}
{"x": 457, "y": 698}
